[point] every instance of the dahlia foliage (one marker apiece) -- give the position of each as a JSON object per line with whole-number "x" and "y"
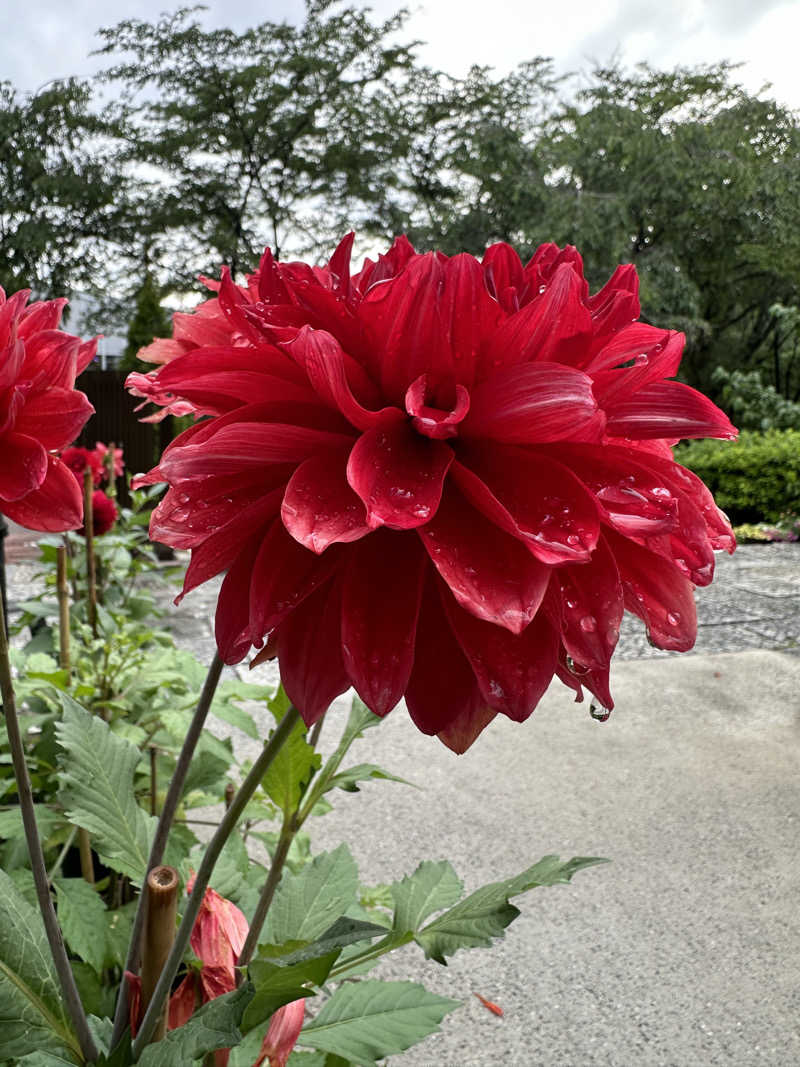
{"x": 40, "y": 412}
{"x": 438, "y": 478}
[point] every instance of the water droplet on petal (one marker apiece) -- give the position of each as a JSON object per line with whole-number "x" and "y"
{"x": 496, "y": 689}
{"x": 641, "y": 360}
{"x": 598, "y": 712}
{"x": 673, "y": 618}
{"x": 588, "y": 624}
{"x": 542, "y": 288}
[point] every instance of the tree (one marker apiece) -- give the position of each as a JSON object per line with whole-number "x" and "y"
{"x": 150, "y": 320}
{"x": 241, "y": 131}
{"x": 57, "y": 189}
{"x": 695, "y": 181}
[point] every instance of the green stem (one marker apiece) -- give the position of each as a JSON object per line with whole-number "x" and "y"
{"x": 53, "y": 931}
{"x": 387, "y": 944}
{"x": 288, "y": 830}
{"x": 159, "y": 845}
{"x": 226, "y": 828}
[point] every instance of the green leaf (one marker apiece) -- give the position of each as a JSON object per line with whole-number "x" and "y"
{"x": 46, "y": 1059}
{"x": 365, "y": 1021}
{"x": 359, "y": 720}
{"x": 206, "y": 770}
{"x": 362, "y": 772}
{"x": 82, "y": 917}
{"x": 215, "y": 1025}
{"x": 432, "y": 887}
{"x": 97, "y": 790}
{"x": 342, "y": 933}
{"x": 291, "y": 770}
{"x": 46, "y": 820}
{"x": 276, "y": 985}
{"x": 307, "y": 903}
{"x": 32, "y": 1017}
{"x": 309, "y": 1059}
{"x": 486, "y": 913}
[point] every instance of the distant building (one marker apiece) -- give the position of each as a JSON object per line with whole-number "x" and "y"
{"x": 110, "y": 347}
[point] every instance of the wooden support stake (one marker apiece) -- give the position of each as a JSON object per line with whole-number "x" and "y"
{"x": 159, "y": 934}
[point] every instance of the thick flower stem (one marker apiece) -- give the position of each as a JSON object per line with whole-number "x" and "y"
{"x": 267, "y": 893}
{"x": 53, "y": 931}
{"x": 91, "y": 566}
{"x": 225, "y": 829}
{"x": 159, "y": 934}
{"x": 62, "y": 587}
{"x": 165, "y": 821}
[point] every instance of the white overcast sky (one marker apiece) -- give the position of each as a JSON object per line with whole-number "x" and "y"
{"x": 45, "y": 39}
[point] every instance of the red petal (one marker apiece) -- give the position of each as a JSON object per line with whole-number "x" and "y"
{"x": 660, "y": 361}
{"x": 442, "y": 692}
{"x": 310, "y": 653}
{"x": 23, "y": 467}
{"x": 532, "y": 497}
{"x": 490, "y": 574}
{"x": 380, "y": 603}
{"x": 469, "y": 317}
{"x": 592, "y": 606}
{"x": 319, "y": 507}
{"x": 657, "y": 592}
{"x": 631, "y": 341}
{"x": 555, "y": 327}
{"x": 238, "y": 447}
{"x": 231, "y": 623}
{"x": 399, "y": 475}
{"x": 504, "y": 275}
{"x": 531, "y": 402}
{"x": 221, "y": 547}
{"x": 667, "y": 409}
{"x": 54, "y": 417}
{"x": 513, "y": 670}
{"x": 182, "y": 1002}
{"x": 284, "y": 574}
{"x": 463, "y": 731}
{"x": 327, "y": 367}
{"x": 432, "y": 421}
{"x": 55, "y": 506}
{"x": 403, "y": 321}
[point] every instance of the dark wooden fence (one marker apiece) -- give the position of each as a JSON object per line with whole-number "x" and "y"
{"x": 115, "y": 420}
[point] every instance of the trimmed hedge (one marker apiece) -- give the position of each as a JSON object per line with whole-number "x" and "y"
{"x": 754, "y": 479}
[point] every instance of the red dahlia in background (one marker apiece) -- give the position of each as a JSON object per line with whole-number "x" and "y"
{"x": 40, "y": 412}
{"x": 438, "y": 478}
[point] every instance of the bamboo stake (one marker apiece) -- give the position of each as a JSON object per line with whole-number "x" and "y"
{"x": 62, "y": 588}
{"x": 159, "y": 935}
{"x": 91, "y": 568}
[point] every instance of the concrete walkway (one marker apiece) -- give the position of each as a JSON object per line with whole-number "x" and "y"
{"x": 685, "y": 950}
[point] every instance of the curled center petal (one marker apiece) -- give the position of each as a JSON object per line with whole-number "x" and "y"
{"x": 433, "y": 414}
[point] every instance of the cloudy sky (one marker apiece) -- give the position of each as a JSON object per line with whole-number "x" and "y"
{"x": 49, "y": 38}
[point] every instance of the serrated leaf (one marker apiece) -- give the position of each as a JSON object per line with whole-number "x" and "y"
{"x": 486, "y": 913}
{"x": 276, "y": 985}
{"x": 82, "y": 917}
{"x": 362, "y": 772}
{"x": 432, "y": 887}
{"x": 32, "y": 1017}
{"x": 97, "y": 790}
{"x": 214, "y": 1026}
{"x": 291, "y": 770}
{"x": 46, "y": 1059}
{"x": 206, "y": 770}
{"x": 306, "y": 904}
{"x": 342, "y": 933}
{"x": 359, "y": 720}
{"x": 365, "y": 1021}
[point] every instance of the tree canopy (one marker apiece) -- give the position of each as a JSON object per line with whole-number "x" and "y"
{"x": 216, "y": 144}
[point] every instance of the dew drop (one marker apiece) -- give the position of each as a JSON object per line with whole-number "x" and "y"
{"x": 598, "y": 712}
{"x": 576, "y": 668}
{"x": 542, "y": 288}
{"x": 421, "y": 511}
{"x": 641, "y": 360}
{"x": 673, "y": 618}
{"x": 573, "y": 540}
{"x": 571, "y": 603}
{"x": 588, "y": 624}
{"x": 496, "y": 689}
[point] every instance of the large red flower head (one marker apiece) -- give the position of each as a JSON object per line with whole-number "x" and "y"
{"x": 78, "y": 459}
{"x": 40, "y": 412}
{"x": 104, "y": 514}
{"x": 439, "y": 478}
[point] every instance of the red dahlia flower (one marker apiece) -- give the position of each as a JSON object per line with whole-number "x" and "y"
{"x": 104, "y": 513}
{"x": 78, "y": 459}
{"x": 100, "y": 452}
{"x": 438, "y": 478}
{"x": 40, "y": 412}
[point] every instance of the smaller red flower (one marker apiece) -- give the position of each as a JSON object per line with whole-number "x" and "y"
{"x": 104, "y": 514}
{"x": 78, "y": 459}
{"x": 101, "y": 452}
{"x": 40, "y": 413}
